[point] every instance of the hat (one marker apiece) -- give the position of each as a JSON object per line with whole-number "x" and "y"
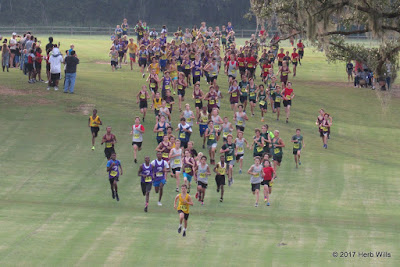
{"x": 14, "y": 33}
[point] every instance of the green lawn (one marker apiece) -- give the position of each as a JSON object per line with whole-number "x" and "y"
{"x": 56, "y": 207}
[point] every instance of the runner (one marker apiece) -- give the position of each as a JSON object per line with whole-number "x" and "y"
{"x": 132, "y": 50}
{"x": 269, "y": 176}
{"x": 169, "y": 100}
{"x": 143, "y": 55}
{"x": 295, "y": 58}
{"x": 212, "y": 99}
{"x": 300, "y": 47}
{"x": 240, "y": 143}
{"x": 184, "y": 201}
{"x": 203, "y": 123}
{"x": 217, "y": 121}
{"x": 277, "y": 96}
{"x": 175, "y": 157}
{"x": 146, "y": 178}
{"x": 142, "y": 98}
{"x": 227, "y": 128}
{"x": 157, "y": 104}
{"x": 271, "y": 90}
{"x": 164, "y": 147}
{"x": 255, "y": 179}
{"x": 110, "y": 141}
{"x": 189, "y": 166}
{"x": 113, "y": 167}
{"x": 197, "y": 96}
{"x": 114, "y": 58}
{"x": 229, "y": 149}
{"x": 349, "y": 70}
{"x": 153, "y": 81}
{"x": 320, "y": 118}
{"x": 93, "y": 123}
{"x": 166, "y": 84}
{"x": 160, "y": 168}
{"x": 267, "y": 135}
{"x": 211, "y": 135}
{"x": 287, "y": 95}
{"x": 231, "y": 68}
{"x": 258, "y": 144}
{"x": 137, "y": 137}
{"x": 164, "y": 111}
{"x": 280, "y": 56}
{"x": 188, "y": 115}
{"x": 252, "y": 90}
{"x": 235, "y": 93}
{"x": 325, "y": 127}
{"x": 262, "y": 100}
{"x": 203, "y": 171}
{"x": 185, "y": 130}
{"x": 240, "y": 118}
{"x": 277, "y": 145}
{"x": 220, "y": 170}
{"x": 196, "y": 69}
{"x": 182, "y": 84}
{"x": 298, "y": 144}
{"x": 284, "y": 71}
{"x": 244, "y": 91}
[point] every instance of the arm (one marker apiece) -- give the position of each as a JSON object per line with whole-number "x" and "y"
{"x": 176, "y": 200}
{"x": 88, "y": 123}
{"x": 190, "y": 201}
{"x": 120, "y": 166}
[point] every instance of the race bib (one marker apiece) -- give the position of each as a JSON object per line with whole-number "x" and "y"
{"x": 180, "y": 87}
{"x": 187, "y": 67}
{"x": 160, "y": 134}
{"x": 183, "y": 207}
{"x": 159, "y": 174}
{"x": 241, "y": 64}
{"x": 168, "y": 105}
{"x": 265, "y": 69}
{"x": 262, "y": 103}
{"x": 288, "y": 97}
{"x": 214, "y": 74}
{"x": 113, "y": 173}
{"x": 221, "y": 171}
{"x": 212, "y": 102}
{"x": 257, "y": 175}
{"x": 177, "y": 162}
{"x": 216, "y": 127}
{"x": 249, "y": 65}
{"x": 165, "y": 155}
{"x": 142, "y": 96}
{"x": 240, "y": 149}
{"x": 197, "y": 73}
{"x": 211, "y": 137}
{"x": 296, "y": 145}
{"x": 136, "y": 136}
{"x": 259, "y": 149}
{"x": 225, "y": 134}
{"x": 229, "y": 158}
{"x": 182, "y": 135}
{"x": 284, "y": 74}
{"x": 240, "y": 122}
{"x": 277, "y": 150}
{"x": 152, "y": 85}
{"x": 198, "y": 101}
{"x": 252, "y": 94}
{"x": 167, "y": 87}
{"x": 109, "y": 145}
{"x": 202, "y": 175}
{"x": 234, "y": 94}
{"x": 278, "y": 99}
{"x": 188, "y": 170}
{"x": 189, "y": 119}
{"x": 147, "y": 179}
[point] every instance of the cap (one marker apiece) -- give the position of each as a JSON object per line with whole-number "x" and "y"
{"x": 14, "y": 33}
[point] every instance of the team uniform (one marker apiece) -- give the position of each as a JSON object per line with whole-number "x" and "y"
{"x": 159, "y": 175}
{"x": 113, "y": 173}
{"x": 297, "y": 146}
{"x": 146, "y": 178}
{"x": 256, "y": 179}
{"x": 137, "y": 137}
{"x": 94, "y": 125}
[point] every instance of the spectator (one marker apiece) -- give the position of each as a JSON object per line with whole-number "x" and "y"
{"x": 71, "y": 62}
{"x": 118, "y": 31}
{"x": 49, "y": 48}
{"x": 5, "y": 57}
{"x": 13, "y": 48}
{"x": 55, "y": 61}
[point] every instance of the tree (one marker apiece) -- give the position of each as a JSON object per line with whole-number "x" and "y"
{"x": 327, "y": 23}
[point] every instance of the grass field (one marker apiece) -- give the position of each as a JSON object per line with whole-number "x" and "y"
{"x": 56, "y": 208}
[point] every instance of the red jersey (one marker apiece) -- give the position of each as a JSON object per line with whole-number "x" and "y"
{"x": 281, "y": 56}
{"x": 287, "y": 93}
{"x": 268, "y": 172}
{"x": 242, "y": 62}
{"x": 262, "y": 33}
{"x": 265, "y": 69}
{"x": 295, "y": 56}
{"x": 251, "y": 62}
{"x": 38, "y": 57}
{"x": 300, "y": 46}
{"x": 140, "y": 127}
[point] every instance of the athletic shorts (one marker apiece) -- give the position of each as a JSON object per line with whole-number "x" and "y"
{"x": 94, "y": 130}
{"x": 242, "y": 69}
{"x": 48, "y": 67}
{"x": 146, "y": 187}
{"x": 243, "y": 99}
{"x": 181, "y": 92}
{"x": 295, "y": 151}
{"x": 233, "y": 101}
{"x": 188, "y": 177}
{"x": 139, "y": 144}
{"x": 240, "y": 128}
{"x": 232, "y": 162}
{"x": 174, "y": 170}
{"x": 287, "y": 103}
{"x": 265, "y": 107}
{"x": 220, "y": 180}
{"x": 121, "y": 53}
{"x": 231, "y": 76}
{"x": 203, "y": 185}
{"x": 111, "y": 180}
{"x": 55, "y": 76}
{"x": 301, "y": 54}
{"x": 108, "y": 152}
{"x": 29, "y": 66}
{"x": 114, "y": 63}
{"x": 199, "y": 105}
{"x": 202, "y": 129}
{"x": 277, "y": 104}
{"x": 252, "y": 100}
{"x": 142, "y": 62}
{"x": 321, "y": 133}
{"x": 196, "y": 79}
{"x": 38, "y": 66}
{"x": 239, "y": 156}
{"x": 157, "y": 183}
{"x": 186, "y": 215}
{"x": 294, "y": 63}
{"x": 277, "y": 158}
{"x": 212, "y": 146}
{"x": 132, "y": 56}
{"x": 280, "y": 63}
{"x": 254, "y": 187}
{"x": 267, "y": 182}
{"x": 187, "y": 72}
{"x": 284, "y": 79}
{"x": 142, "y": 104}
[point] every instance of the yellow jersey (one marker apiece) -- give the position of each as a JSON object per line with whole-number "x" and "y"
{"x": 94, "y": 122}
{"x": 157, "y": 103}
{"x": 221, "y": 170}
{"x": 182, "y": 204}
{"x": 132, "y": 48}
{"x": 155, "y": 67}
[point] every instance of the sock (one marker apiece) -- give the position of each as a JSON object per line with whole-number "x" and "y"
{"x": 180, "y": 225}
{"x": 184, "y": 229}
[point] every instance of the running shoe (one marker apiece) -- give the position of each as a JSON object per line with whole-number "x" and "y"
{"x": 202, "y": 203}
{"x": 287, "y": 120}
{"x": 268, "y": 204}
{"x": 179, "y": 229}
{"x": 159, "y": 203}
{"x": 184, "y": 233}
{"x": 116, "y": 196}
{"x": 217, "y": 189}
{"x": 299, "y": 162}
{"x": 48, "y": 88}
{"x": 256, "y": 205}
{"x": 221, "y": 199}
{"x": 177, "y": 190}
{"x": 113, "y": 194}
{"x": 265, "y": 199}
{"x": 229, "y": 182}
{"x": 262, "y": 119}
{"x": 240, "y": 171}
{"x": 56, "y": 88}
{"x": 143, "y": 75}
{"x": 93, "y": 148}
{"x": 135, "y": 160}
{"x": 197, "y": 195}
{"x": 145, "y": 209}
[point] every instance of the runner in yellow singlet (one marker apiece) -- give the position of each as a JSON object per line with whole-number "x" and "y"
{"x": 184, "y": 201}
{"x": 93, "y": 123}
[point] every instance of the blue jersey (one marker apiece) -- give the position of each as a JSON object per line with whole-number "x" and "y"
{"x": 114, "y": 171}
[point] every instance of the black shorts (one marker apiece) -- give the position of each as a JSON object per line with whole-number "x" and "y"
{"x": 186, "y": 216}
{"x": 38, "y": 66}
{"x": 108, "y": 152}
{"x": 181, "y": 92}
{"x": 94, "y": 130}
{"x": 295, "y": 151}
{"x": 253, "y": 100}
{"x": 233, "y": 101}
{"x": 239, "y": 156}
{"x": 265, "y": 107}
{"x": 277, "y": 104}
{"x": 139, "y": 144}
{"x": 277, "y": 158}
{"x": 280, "y": 63}
{"x": 48, "y": 67}
{"x": 146, "y": 187}
{"x": 301, "y": 54}
{"x": 114, "y": 63}
{"x": 174, "y": 170}
{"x": 111, "y": 180}
{"x": 240, "y": 128}
{"x": 121, "y": 53}
{"x": 220, "y": 180}
{"x": 211, "y": 79}
{"x": 251, "y": 71}
{"x": 142, "y": 104}
{"x": 242, "y": 69}
{"x": 243, "y": 99}
{"x": 196, "y": 79}
{"x": 203, "y": 185}
{"x": 199, "y": 105}
{"x": 187, "y": 72}
{"x": 294, "y": 63}
{"x": 142, "y": 62}
{"x": 29, "y": 66}
{"x": 287, "y": 103}
{"x": 254, "y": 187}
{"x": 55, "y": 76}
{"x": 266, "y": 182}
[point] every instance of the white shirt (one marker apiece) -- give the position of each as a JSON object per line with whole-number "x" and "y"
{"x": 55, "y": 64}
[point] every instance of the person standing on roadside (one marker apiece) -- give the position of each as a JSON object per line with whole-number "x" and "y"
{"x": 55, "y": 61}
{"x": 71, "y": 62}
